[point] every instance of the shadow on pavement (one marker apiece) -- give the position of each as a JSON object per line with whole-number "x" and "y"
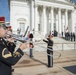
{"x": 71, "y": 68}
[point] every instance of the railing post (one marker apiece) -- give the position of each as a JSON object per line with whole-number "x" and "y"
{"x": 74, "y": 45}
{"x": 62, "y": 46}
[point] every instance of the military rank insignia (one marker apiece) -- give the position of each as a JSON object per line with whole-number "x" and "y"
{"x": 6, "y": 53}
{"x": 17, "y": 54}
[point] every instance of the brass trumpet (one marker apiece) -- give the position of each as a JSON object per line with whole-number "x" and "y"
{"x": 15, "y": 37}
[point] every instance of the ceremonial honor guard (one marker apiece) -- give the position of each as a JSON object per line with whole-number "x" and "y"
{"x": 31, "y": 44}
{"x": 49, "y": 42}
{"x": 31, "y": 49}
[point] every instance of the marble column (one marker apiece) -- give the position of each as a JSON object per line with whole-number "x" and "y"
{"x": 63, "y": 24}
{"x": 66, "y": 19}
{"x": 32, "y": 15}
{"x": 52, "y": 19}
{"x": 44, "y": 20}
{"x": 59, "y": 21}
{"x": 72, "y": 21}
{"x": 36, "y": 20}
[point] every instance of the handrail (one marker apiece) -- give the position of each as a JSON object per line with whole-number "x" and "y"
{"x": 63, "y": 47}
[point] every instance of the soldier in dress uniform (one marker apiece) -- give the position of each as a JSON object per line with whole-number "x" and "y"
{"x": 71, "y": 35}
{"x": 74, "y": 36}
{"x": 31, "y": 49}
{"x": 49, "y": 42}
{"x": 31, "y": 44}
{"x": 7, "y": 59}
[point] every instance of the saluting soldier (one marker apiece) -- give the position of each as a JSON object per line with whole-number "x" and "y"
{"x": 7, "y": 59}
{"x": 49, "y": 42}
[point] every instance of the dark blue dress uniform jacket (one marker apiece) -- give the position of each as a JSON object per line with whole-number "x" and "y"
{"x": 7, "y": 59}
{"x": 49, "y": 44}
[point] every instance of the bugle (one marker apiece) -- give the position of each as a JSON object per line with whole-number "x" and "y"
{"x": 23, "y": 41}
{"x": 15, "y": 37}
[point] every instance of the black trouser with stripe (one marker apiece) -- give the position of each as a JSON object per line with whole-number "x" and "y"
{"x": 31, "y": 54}
{"x": 50, "y": 58}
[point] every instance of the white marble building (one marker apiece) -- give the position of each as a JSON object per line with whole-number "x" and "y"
{"x": 43, "y": 15}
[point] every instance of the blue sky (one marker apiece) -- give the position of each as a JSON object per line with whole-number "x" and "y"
{"x": 4, "y": 10}
{"x": 74, "y": 1}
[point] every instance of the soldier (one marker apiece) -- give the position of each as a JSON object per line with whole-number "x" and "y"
{"x": 31, "y": 49}
{"x": 6, "y": 58}
{"x": 31, "y": 36}
{"x": 74, "y": 36}
{"x": 11, "y": 46}
{"x": 31, "y": 44}
{"x": 71, "y": 35}
{"x": 62, "y": 34}
{"x": 49, "y": 41}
